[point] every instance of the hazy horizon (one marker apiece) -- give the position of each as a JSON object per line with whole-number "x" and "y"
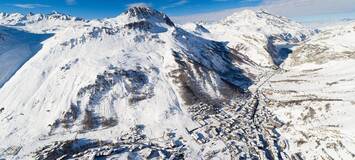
{"x": 183, "y": 11}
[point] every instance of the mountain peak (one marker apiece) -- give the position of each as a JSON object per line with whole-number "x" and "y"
{"x": 144, "y": 12}
{"x": 141, "y": 11}
{"x": 62, "y": 16}
{"x": 54, "y": 12}
{"x": 248, "y": 13}
{"x": 261, "y": 20}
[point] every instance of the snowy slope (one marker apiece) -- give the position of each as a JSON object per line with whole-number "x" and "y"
{"x": 316, "y": 102}
{"x": 137, "y": 86}
{"x": 16, "y": 47}
{"x": 333, "y": 42}
{"x": 22, "y": 36}
{"x": 315, "y": 96}
{"x": 263, "y": 37}
{"x": 99, "y": 81}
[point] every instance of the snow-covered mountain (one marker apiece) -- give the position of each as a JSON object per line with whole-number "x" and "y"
{"x": 134, "y": 72}
{"x": 264, "y": 38}
{"x": 39, "y": 23}
{"x": 138, "y": 86}
{"x": 21, "y": 37}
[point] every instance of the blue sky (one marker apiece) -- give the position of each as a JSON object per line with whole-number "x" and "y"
{"x": 190, "y": 10}
{"x": 109, "y": 8}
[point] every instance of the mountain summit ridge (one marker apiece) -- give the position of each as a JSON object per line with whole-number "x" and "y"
{"x": 143, "y": 12}
{"x": 23, "y": 19}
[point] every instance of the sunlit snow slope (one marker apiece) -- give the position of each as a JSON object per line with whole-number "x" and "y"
{"x": 314, "y": 96}
{"x": 102, "y": 79}
{"x": 264, "y": 38}
{"x": 138, "y": 86}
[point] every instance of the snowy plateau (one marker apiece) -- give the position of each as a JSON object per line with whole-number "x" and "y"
{"x": 138, "y": 86}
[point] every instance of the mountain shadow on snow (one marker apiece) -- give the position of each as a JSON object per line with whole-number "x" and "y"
{"x": 16, "y": 48}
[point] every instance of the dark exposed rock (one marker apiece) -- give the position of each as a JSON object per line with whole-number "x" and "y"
{"x": 277, "y": 54}
{"x": 69, "y": 64}
{"x": 212, "y": 61}
{"x": 141, "y": 25}
{"x": 134, "y": 82}
{"x": 109, "y": 122}
{"x": 134, "y": 143}
{"x": 108, "y": 79}
{"x": 88, "y": 121}
{"x": 142, "y": 12}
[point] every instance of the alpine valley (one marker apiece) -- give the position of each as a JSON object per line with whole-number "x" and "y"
{"x": 138, "y": 86}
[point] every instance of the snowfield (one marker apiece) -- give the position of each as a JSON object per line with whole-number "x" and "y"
{"x": 314, "y": 96}
{"x": 138, "y": 86}
{"x": 316, "y": 103}
{"x": 16, "y": 48}
{"x": 257, "y": 34}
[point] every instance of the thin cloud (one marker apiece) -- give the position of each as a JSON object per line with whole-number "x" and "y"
{"x": 31, "y": 5}
{"x": 296, "y": 8}
{"x": 289, "y": 8}
{"x": 206, "y": 17}
{"x": 138, "y": 5}
{"x": 221, "y": 0}
{"x": 175, "y": 4}
{"x": 70, "y": 2}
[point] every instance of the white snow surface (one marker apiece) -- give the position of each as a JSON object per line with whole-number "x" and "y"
{"x": 314, "y": 96}
{"x": 139, "y": 69}
{"x": 40, "y": 23}
{"x": 333, "y": 42}
{"x": 116, "y": 68}
{"x": 248, "y": 32}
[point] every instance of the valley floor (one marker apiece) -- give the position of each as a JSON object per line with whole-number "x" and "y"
{"x": 316, "y": 103}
